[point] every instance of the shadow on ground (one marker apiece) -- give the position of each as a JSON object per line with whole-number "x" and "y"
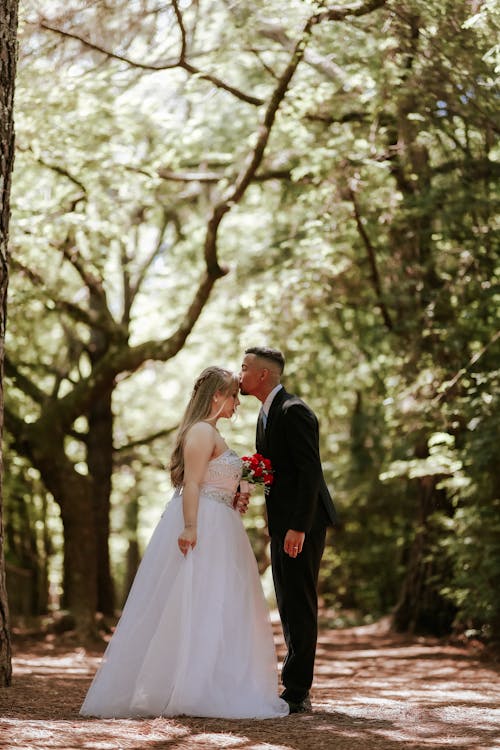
{"x": 374, "y": 691}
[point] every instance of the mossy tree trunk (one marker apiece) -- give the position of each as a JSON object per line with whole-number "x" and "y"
{"x": 8, "y": 59}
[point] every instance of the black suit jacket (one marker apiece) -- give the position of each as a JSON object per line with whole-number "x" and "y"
{"x": 298, "y": 498}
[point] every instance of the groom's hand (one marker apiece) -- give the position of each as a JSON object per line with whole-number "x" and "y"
{"x": 294, "y": 541}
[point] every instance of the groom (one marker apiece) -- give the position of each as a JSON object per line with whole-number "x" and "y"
{"x": 299, "y": 508}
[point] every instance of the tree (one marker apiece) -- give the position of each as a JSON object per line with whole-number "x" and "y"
{"x": 8, "y": 58}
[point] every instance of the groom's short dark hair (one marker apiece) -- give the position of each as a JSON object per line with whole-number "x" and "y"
{"x": 265, "y": 352}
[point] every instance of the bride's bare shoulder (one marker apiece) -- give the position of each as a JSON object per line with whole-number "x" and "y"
{"x": 201, "y": 432}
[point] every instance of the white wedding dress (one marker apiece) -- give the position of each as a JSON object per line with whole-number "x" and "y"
{"x": 195, "y": 636}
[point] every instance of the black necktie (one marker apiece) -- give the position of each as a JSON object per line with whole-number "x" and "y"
{"x": 261, "y": 430}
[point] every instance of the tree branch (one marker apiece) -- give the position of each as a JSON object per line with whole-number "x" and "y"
{"x": 477, "y": 169}
{"x": 136, "y": 285}
{"x": 341, "y": 119}
{"x": 372, "y": 262}
{"x": 58, "y": 169}
{"x": 33, "y": 276}
{"x": 72, "y": 255}
{"x": 24, "y": 383}
{"x": 88, "y": 317}
{"x": 145, "y": 440}
{"x": 340, "y": 13}
{"x": 121, "y": 358}
{"x": 220, "y": 84}
{"x": 182, "y": 29}
{"x": 324, "y": 65}
{"x": 262, "y": 62}
{"x": 169, "y": 65}
{"x": 214, "y": 177}
{"x": 254, "y": 159}
{"x": 464, "y": 370}
{"x": 13, "y": 424}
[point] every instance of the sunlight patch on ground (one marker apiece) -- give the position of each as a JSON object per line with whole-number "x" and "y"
{"x": 109, "y": 734}
{"x": 217, "y": 740}
{"x": 417, "y": 719}
{"x": 76, "y": 663}
{"x": 207, "y": 741}
{"x": 119, "y": 734}
{"x": 369, "y": 694}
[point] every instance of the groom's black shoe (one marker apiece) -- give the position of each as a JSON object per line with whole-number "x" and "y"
{"x": 297, "y": 706}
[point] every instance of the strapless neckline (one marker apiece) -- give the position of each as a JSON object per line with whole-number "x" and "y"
{"x": 224, "y": 453}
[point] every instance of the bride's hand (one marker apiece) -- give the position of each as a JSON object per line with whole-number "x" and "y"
{"x": 187, "y": 539}
{"x": 241, "y": 501}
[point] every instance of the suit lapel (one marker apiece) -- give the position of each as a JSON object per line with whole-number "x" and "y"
{"x": 262, "y": 436}
{"x": 274, "y": 411}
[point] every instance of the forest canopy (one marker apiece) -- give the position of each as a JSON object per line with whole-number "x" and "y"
{"x": 196, "y": 177}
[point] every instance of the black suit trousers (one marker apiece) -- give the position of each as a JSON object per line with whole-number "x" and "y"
{"x": 295, "y": 583}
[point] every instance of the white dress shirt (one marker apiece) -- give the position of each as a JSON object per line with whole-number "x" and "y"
{"x": 264, "y": 409}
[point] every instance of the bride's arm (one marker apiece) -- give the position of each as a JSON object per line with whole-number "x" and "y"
{"x": 198, "y": 448}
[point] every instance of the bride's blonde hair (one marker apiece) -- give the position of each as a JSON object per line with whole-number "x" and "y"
{"x": 211, "y": 381}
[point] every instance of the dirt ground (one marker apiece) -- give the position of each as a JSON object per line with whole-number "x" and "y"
{"x": 373, "y": 691}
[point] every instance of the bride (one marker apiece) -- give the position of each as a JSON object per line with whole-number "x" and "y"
{"x": 195, "y": 637}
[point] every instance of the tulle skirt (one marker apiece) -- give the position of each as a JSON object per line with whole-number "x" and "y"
{"x": 195, "y": 636}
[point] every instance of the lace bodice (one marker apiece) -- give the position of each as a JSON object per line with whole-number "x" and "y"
{"x": 222, "y": 477}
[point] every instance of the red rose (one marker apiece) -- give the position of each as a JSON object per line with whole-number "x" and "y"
{"x": 257, "y": 469}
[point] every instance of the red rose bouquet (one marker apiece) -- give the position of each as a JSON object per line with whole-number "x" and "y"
{"x": 257, "y": 470}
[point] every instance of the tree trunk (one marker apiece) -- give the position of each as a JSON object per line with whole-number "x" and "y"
{"x": 43, "y": 580}
{"x": 100, "y": 460}
{"x": 421, "y": 607}
{"x": 80, "y": 553}
{"x": 133, "y": 553}
{"x": 8, "y": 59}
{"x": 100, "y": 465}
{"x": 72, "y": 492}
{"x": 28, "y": 552}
